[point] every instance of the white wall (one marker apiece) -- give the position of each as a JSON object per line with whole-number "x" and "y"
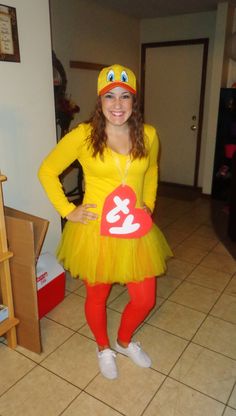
{"x": 186, "y": 26}
{"x": 27, "y": 126}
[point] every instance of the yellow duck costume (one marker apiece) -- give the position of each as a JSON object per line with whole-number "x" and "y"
{"x": 83, "y": 250}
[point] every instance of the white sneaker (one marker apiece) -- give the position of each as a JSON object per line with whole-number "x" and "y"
{"x": 135, "y": 352}
{"x": 107, "y": 364}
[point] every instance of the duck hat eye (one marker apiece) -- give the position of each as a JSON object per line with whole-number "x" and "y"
{"x": 124, "y": 76}
{"x": 110, "y": 76}
{"x": 116, "y": 76}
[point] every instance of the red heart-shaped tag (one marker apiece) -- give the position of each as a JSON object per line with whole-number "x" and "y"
{"x": 120, "y": 218}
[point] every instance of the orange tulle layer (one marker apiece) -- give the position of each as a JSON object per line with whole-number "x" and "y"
{"x": 100, "y": 259}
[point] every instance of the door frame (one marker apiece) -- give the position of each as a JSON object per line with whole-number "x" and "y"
{"x": 201, "y": 41}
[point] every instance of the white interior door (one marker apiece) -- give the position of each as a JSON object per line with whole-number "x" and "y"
{"x": 171, "y": 104}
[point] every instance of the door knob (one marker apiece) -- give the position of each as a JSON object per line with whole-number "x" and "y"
{"x": 193, "y": 127}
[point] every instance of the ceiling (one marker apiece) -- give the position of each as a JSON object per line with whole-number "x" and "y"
{"x": 142, "y": 9}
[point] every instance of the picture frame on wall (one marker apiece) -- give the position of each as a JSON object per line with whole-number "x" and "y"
{"x": 9, "y": 42}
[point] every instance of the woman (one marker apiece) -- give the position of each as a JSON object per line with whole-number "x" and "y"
{"x": 110, "y": 237}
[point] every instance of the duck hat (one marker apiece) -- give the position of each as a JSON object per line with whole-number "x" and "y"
{"x": 116, "y": 76}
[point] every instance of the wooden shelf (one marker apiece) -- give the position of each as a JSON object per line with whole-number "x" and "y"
{"x": 8, "y": 326}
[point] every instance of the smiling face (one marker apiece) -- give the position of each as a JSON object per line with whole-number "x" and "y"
{"x": 117, "y": 106}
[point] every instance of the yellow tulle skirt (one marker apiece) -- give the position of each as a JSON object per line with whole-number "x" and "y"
{"x": 103, "y": 259}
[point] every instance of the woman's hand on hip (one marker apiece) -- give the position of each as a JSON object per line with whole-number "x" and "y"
{"x": 82, "y": 214}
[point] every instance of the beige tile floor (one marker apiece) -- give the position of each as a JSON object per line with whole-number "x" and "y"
{"x": 190, "y": 335}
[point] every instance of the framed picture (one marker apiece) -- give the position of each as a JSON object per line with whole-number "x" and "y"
{"x": 9, "y": 43}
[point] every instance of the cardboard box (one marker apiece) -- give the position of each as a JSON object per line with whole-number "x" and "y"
{"x": 3, "y": 313}
{"x": 51, "y": 280}
{"x": 25, "y": 234}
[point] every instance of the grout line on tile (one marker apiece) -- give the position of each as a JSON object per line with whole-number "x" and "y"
{"x": 221, "y": 293}
{"x": 163, "y": 330}
{"x": 227, "y": 403}
{"x": 75, "y": 398}
{"x": 59, "y": 376}
{"x": 221, "y": 319}
{"x": 80, "y": 296}
{"x": 58, "y": 346}
{"x": 103, "y": 402}
{"x": 114, "y": 310}
{"x": 16, "y": 382}
{"x": 227, "y": 407}
{"x": 28, "y": 357}
{"x": 216, "y": 352}
{"x": 199, "y": 391}
{"x": 113, "y": 300}
{"x": 148, "y": 404}
{"x": 60, "y": 323}
{"x": 230, "y": 280}
{"x": 87, "y": 337}
{"x": 186, "y": 306}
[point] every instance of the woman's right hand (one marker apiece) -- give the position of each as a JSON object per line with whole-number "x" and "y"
{"x": 81, "y": 214}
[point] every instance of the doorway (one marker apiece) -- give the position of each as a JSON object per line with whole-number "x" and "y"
{"x": 173, "y": 77}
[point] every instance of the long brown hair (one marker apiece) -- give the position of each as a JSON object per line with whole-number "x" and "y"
{"x": 98, "y": 138}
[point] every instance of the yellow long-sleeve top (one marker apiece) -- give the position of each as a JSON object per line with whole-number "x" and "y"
{"x": 102, "y": 175}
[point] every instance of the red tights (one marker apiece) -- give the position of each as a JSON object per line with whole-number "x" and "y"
{"x": 142, "y": 300}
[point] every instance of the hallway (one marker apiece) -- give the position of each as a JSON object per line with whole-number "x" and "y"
{"x": 190, "y": 336}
